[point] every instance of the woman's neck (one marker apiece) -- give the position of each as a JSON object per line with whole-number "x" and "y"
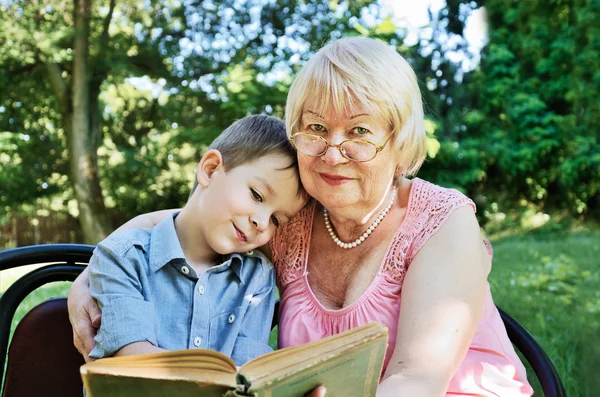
{"x": 351, "y": 222}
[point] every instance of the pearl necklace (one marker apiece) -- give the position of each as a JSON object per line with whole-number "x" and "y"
{"x": 366, "y": 234}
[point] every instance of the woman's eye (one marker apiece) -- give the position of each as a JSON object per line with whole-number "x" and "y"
{"x": 316, "y": 127}
{"x": 275, "y": 220}
{"x": 256, "y": 195}
{"x": 361, "y": 130}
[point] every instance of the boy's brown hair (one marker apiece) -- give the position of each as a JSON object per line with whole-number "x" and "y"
{"x": 250, "y": 138}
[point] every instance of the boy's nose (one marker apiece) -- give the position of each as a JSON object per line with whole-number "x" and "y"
{"x": 259, "y": 223}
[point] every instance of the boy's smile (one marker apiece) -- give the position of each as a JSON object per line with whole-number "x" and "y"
{"x": 240, "y": 234}
{"x": 240, "y": 209}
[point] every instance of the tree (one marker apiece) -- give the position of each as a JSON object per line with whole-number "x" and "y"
{"x": 82, "y": 128}
{"x": 67, "y": 106}
{"x": 535, "y": 110}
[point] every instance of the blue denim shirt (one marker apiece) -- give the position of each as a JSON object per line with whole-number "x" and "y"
{"x": 147, "y": 292}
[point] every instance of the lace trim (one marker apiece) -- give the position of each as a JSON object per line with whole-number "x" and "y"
{"x": 428, "y": 209}
{"x": 289, "y": 245}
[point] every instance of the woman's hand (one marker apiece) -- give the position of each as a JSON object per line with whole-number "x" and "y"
{"x": 84, "y": 315}
{"x": 318, "y": 392}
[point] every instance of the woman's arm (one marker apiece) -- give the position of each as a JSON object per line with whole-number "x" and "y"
{"x": 150, "y": 219}
{"x": 443, "y": 297}
{"x": 84, "y": 314}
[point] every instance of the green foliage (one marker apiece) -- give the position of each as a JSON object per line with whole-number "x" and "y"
{"x": 166, "y": 78}
{"x": 535, "y": 108}
{"x": 520, "y": 129}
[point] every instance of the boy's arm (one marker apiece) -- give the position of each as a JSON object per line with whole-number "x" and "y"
{"x": 147, "y": 220}
{"x": 115, "y": 271}
{"x": 139, "y": 348}
{"x": 253, "y": 339}
{"x": 84, "y": 313}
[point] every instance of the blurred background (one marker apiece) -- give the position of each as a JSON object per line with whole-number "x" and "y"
{"x": 106, "y": 107}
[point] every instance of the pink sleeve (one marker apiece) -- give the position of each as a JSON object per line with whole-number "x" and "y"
{"x": 435, "y": 215}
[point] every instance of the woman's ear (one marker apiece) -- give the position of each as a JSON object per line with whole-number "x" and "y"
{"x": 211, "y": 162}
{"x": 399, "y": 172}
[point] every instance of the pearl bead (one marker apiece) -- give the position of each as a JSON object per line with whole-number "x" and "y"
{"x": 367, "y": 232}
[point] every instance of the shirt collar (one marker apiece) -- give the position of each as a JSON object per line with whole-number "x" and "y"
{"x": 165, "y": 247}
{"x": 164, "y": 243}
{"x": 236, "y": 262}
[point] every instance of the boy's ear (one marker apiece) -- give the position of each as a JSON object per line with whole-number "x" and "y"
{"x": 212, "y": 161}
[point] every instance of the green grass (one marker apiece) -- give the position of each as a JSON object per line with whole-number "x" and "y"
{"x": 546, "y": 281}
{"x": 549, "y": 283}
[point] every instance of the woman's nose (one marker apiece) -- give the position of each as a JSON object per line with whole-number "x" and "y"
{"x": 334, "y": 156}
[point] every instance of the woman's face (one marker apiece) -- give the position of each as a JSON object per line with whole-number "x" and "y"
{"x": 332, "y": 179}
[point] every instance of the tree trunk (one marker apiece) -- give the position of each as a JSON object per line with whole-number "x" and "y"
{"x": 82, "y": 148}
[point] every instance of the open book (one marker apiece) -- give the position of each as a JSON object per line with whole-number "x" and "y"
{"x": 348, "y": 364}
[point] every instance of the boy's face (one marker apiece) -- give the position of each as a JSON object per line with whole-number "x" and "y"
{"x": 242, "y": 208}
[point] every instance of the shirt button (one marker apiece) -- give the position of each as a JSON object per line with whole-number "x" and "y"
{"x": 197, "y": 341}
{"x": 231, "y": 319}
{"x": 250, "y": 252}
{"x": 201, "y": 289}
{"x": 185, "y": 270}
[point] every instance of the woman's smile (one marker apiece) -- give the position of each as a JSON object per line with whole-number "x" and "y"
{"x": 334, "y": 179}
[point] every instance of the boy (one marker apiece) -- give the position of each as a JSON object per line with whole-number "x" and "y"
{"x": 172, "y": 287}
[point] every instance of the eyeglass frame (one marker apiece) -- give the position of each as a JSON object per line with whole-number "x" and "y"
{"x": 339, "y": 145}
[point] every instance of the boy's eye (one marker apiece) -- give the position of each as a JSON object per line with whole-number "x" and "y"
{"x": 275, "y": 220}
{"x": 256, "y": 195}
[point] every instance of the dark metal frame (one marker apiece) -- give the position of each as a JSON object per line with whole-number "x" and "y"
{"x": 65, "y": 265}
{"x": 537, "y": 357}
{"x": 67, "y": 262}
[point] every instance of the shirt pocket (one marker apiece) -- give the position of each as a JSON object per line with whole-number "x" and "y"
{"x": 224, "y": 330}
{"x": 246, "y": 349}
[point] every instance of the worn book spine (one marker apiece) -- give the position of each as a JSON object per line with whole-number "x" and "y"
{"x": 238, "y": 393}
{"x": 242, "y": 389}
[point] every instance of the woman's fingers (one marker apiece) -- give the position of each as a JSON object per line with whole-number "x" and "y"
{"x": 95, "y": 314}
{"x": 84, "y": 315}
{"x": 318, "y": 392}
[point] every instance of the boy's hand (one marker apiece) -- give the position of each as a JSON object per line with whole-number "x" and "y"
{"x": 318, "y": 392}
{"x": 84, "y": 315}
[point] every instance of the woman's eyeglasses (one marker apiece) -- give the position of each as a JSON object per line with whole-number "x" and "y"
{"x": 354, "y": 149}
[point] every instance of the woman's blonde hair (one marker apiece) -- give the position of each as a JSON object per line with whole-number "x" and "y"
{"x": 360, "y": 71}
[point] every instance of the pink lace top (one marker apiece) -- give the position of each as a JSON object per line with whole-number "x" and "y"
{"x": 491, "y": 366}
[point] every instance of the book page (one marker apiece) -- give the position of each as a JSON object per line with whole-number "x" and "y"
{"x": 195, "y": 365}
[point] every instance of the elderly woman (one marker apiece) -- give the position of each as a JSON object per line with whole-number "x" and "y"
{"x": 374, "y": 245}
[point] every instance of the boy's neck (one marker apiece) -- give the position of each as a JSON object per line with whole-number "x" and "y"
{"x": 198, "y": 253}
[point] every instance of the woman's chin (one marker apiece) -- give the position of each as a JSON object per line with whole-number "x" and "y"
{"x": 335, "y": 201}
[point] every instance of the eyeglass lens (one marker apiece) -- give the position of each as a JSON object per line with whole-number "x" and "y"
{"x": 352, "y": 149}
